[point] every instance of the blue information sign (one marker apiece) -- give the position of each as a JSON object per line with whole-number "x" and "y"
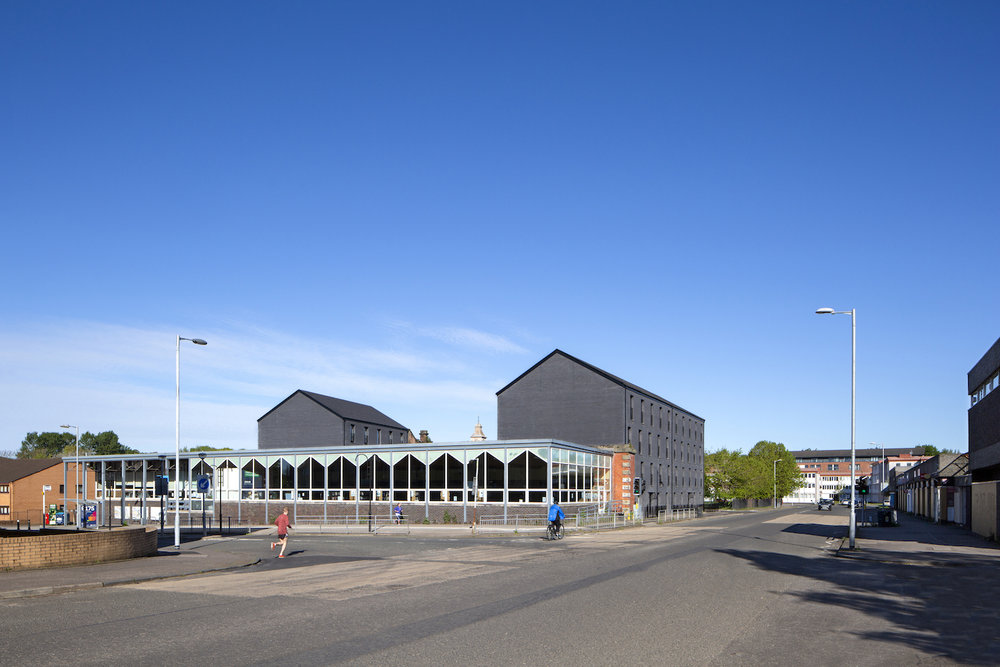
{"x": 204, "y": 483}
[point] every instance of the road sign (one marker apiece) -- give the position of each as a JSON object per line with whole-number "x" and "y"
{"x": 204, "y": 483}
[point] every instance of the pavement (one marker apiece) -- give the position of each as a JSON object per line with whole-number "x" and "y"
{"x": 917, "y": 541}
{"x": 914, "y": 541}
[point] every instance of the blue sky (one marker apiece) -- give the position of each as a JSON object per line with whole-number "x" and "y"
{"x": 409, "y": 204}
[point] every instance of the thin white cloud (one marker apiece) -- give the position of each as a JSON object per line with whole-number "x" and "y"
{"x": 465, "y": 337}
{"x": 113, "y": 377}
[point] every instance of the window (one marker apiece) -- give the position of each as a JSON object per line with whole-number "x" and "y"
{"x": 62, "y": 489}
{"x": 642, "y": 411}
{"x": 378, "y": 437}
{"x": 352, "y": 434}
{"x": 4, "y": 488}
{"x": 631, "y": 408}
{"x": 4, "y": 509}
{"x": 366, "y": 435}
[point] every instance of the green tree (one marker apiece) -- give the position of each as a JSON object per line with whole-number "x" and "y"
{"x": 722, "y": 470}
{"x": 768, "y": 475}
{"x": 206, "y": 448}
{"x": 103, "y": 444}
{"x": 49, "y": 444}
{"x": 63, "y": 444}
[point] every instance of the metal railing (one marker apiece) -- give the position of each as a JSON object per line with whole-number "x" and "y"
{"x": 350, "y": 525}
{"x": 589, "y": 518}
{"x": 669, "y": 516}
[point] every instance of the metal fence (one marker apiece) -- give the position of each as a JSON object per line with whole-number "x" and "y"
{"x": 351, "y": 525}
{"x": 595, "y": 517}
{"x": 669, "y": 516}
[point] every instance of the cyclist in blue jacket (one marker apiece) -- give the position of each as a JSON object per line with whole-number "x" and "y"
{"x": 556, "y": 516}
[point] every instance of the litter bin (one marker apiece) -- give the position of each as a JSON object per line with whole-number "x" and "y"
{"x": 886, "y": 516}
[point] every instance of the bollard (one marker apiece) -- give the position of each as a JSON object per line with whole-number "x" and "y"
{"x": 19, "y": 524}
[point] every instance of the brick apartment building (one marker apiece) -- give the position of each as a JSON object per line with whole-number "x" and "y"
{"x": 21, "y": 488}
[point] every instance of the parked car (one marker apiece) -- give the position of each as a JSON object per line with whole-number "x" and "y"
{"x": 825, "y": 504}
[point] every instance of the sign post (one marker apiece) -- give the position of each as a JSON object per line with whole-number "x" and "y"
{"x": 204, "y": 484}
{"x": 45, "y": 487}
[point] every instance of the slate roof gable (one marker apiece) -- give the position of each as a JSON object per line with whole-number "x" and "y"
{"x": 347, "y": 410}
{"x": 614, "y": 378}
{"x": 12, "y": 470}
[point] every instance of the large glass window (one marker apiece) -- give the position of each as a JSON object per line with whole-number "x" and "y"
{"x": 280, "y": 480}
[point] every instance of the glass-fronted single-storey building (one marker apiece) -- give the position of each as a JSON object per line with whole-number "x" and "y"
{"x": 316, "y": 483}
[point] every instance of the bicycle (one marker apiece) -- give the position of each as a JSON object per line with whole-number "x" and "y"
{"x": 553, "y": 533}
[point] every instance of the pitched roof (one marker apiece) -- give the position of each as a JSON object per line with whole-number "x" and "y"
{"x": 12, "y": 470}
{"x": 347, "y": 410}
{"x": 614, "y": 378}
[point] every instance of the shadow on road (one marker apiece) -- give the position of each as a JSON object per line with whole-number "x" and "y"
{"x": 953, "y": 615}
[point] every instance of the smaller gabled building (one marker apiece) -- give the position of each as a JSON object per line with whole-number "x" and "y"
{"x": 308, "y": 419}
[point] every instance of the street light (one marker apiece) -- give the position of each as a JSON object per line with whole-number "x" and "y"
{"x": 854, "y": 353}
{"x": 201, "y": 455}
{"x": 774, "y": 471}
{"x": 177, "y": 436}
{"x": 77, "y": 475}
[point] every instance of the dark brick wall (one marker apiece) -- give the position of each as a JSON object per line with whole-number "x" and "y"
{"x": 562, "y": 400}
{"x": 299, "y": 422}
{"x": 984, "y": 438}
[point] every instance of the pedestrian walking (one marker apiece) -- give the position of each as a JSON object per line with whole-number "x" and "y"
{"x": 283, "y": 527}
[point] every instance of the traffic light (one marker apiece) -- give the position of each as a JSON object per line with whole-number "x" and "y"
{"x": 638, "y": 486}
{"x": 162, "y": 485}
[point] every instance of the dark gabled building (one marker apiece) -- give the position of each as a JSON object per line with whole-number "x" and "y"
{"x": 984, "y": 417}
{"x": 308, "y": 419}
{"x": 564, "y": 398}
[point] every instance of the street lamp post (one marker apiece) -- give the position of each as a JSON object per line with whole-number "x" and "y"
{"x": 774, "y": 472}
{"x": 357, "y": 490}
{"x": 854, "y": 353}
{"x": 77, "y": 472}
{"x": 201, "y": 455}
{"x": 164, "y": 471}
{"x": 177, "y": 439}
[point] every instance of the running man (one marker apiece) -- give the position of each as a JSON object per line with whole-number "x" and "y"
{"x": 283, "y": 527}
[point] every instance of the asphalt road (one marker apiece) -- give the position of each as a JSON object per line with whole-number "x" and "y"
{"x": 748, "y": 589}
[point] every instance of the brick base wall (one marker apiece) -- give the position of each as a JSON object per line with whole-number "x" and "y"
{"x": 55, "y": 548}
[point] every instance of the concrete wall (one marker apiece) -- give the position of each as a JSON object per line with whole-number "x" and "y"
{"x": 986, "y": 509}
{"x": 56, "y": 548}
